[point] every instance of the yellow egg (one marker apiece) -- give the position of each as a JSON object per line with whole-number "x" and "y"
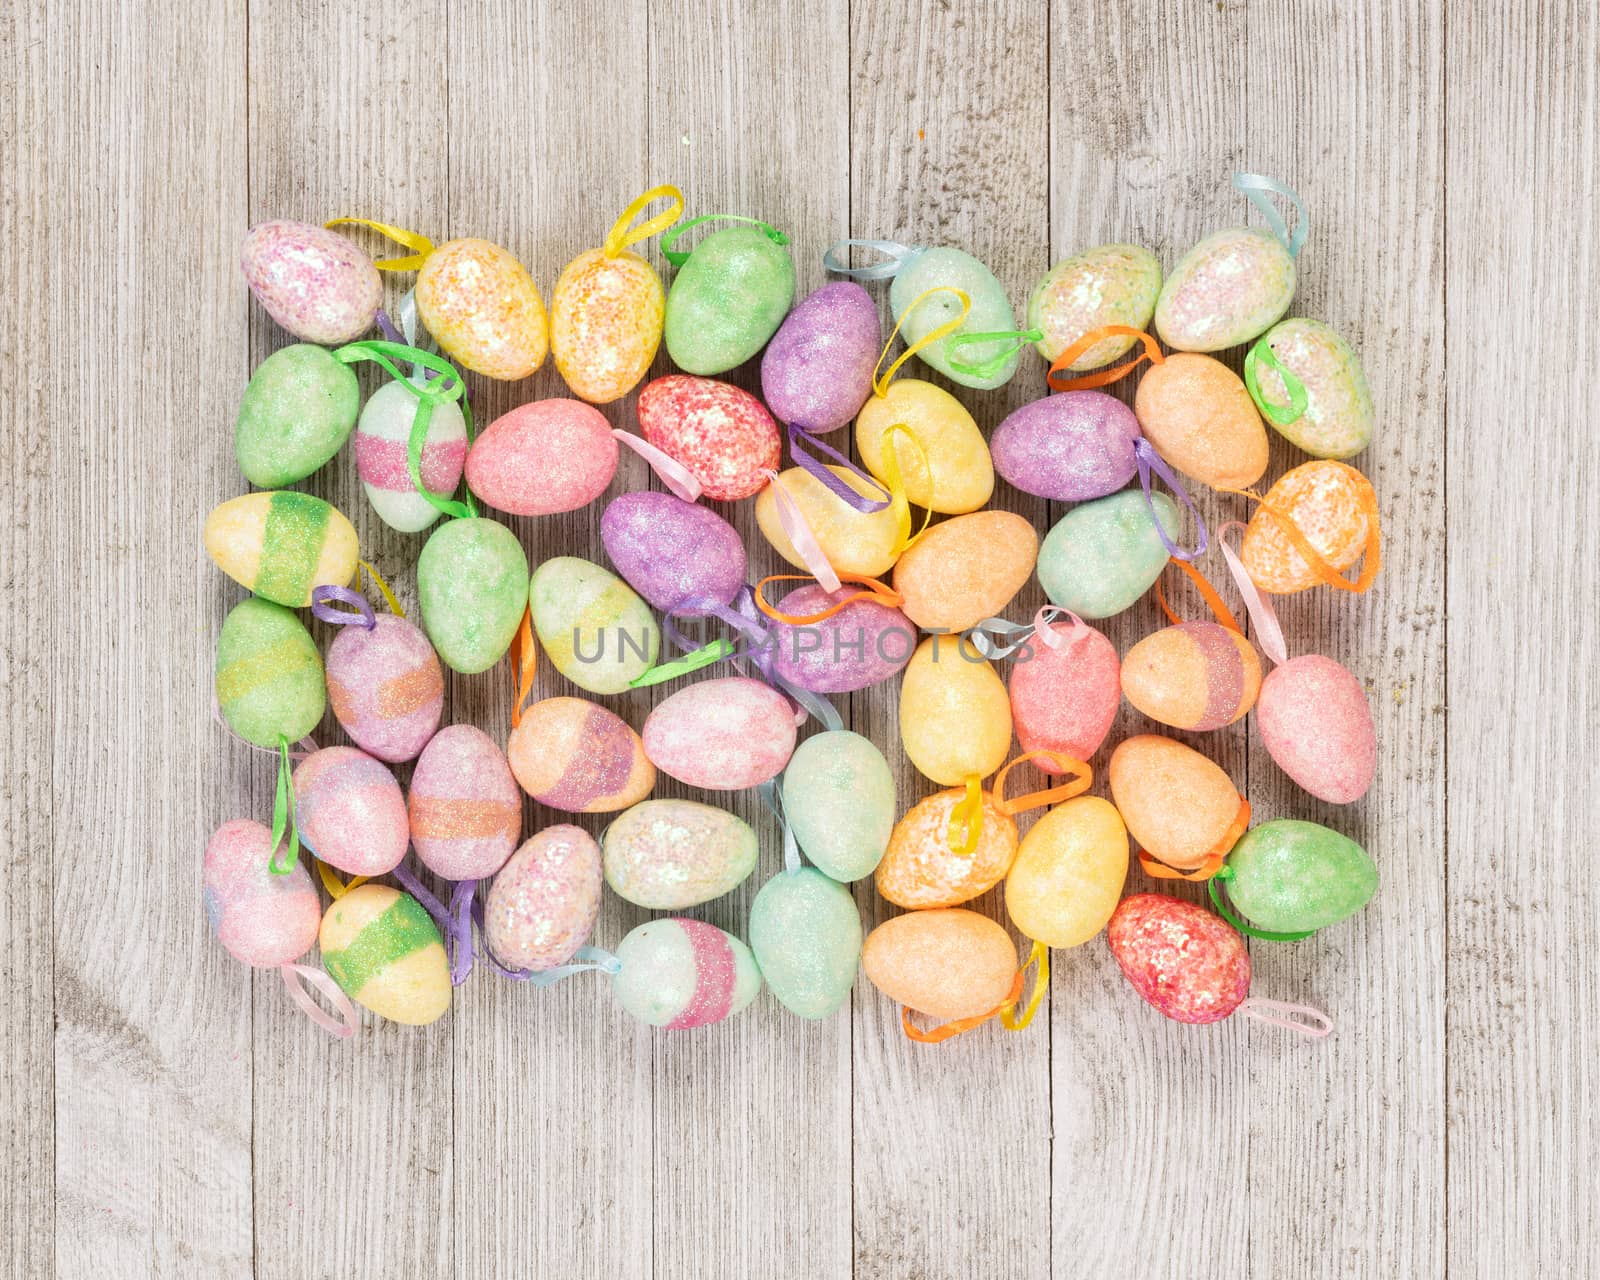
{"x": 605, "y": 323}
{"x": 282, "y": 545}
{"x": 947, "y": 964}
{"x": 1068, "y": 874}
{"x": 952, "y": 447}
{"x": 921, "y": 870}
{"x": 483, "y": 308}
{"x": 967, "y": 569}
{"x": 861, "y": 542}
{"x": 384, "y": 950}
{"x": 955, "y": 717}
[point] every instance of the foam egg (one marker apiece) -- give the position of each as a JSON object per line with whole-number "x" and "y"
{"x": 817, "y": 370}
{"x": 268, "y": 675}
{"x": 1179, "y": 957}
{"x": 544, "y": 901}
{"x": 1329, "y": 502}
{"x": 297, "y": 412}
{"x": 383, "y": 435}
{"x": 1296, "y": 877}
{"x": 1337, "y": 420}
{"x": 672, "y": 854}
{"x": 592, "y": 627}
{"x": 839, "y": 799}
{"x": 312, "y": 281}
{"x": 386, "y": 687}
{"x": 281, "y": 545}
{"x": 1109, "y": 284}
{"x": 1068, "y": 447}
{"x": 955, "y": 718}
{"x": 472, "y": 582}
{"x": 864, "y": 644}
{"x": 1066, "y": 699}
{"x": 990, "y": 312}
{"x": 721, "y": 735}
{"x": 464, "y": 809}
{"x": 483, "y": 308}
{"x": 606, "y": 315}
{"x": 920, "y": 870}
{"x": 261, "y": 918}
{"x": 1198, "y": 415}
{"x": 728, "y": 299}
{"x": 680, "y": 974}
{"x": 571, "y": 754}
{"x": 864, "y": 543}
{"x": 385, "y": 953}
{"x": 948, "y": 469}
{"x": 673, "y": 552}
{"x": 1317, "y": 727}
{"x": 721, "y": 433}
{"x": 1103, "y": 555}
{"x": 1068, "y": 873}
{"x": 542, "y": 458}
{"x": 947, "y": 963}
{"x": 1179, "y": 806}
{"x": 350, "y": 811}
{"x": 1228, "y": 289}
{"x": 1196, "y": 676}
{"x": 805, "y": 932}
{"x": 966, "y": 569}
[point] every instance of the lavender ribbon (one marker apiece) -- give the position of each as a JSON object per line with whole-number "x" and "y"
{"x": 814, "y": 467}
{"x": 1148, "y": 460}
{"x": 321, "y": 608}
{"x": 454, "y": 923}
{"x": 583, "y": 960}
{"x": 772, "y": 797}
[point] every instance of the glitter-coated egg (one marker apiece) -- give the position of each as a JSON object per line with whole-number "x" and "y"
{"x": 591, "y": 625}
{"x": 805, "y": 932}
{"x": 268, "y": 675}
{"x": 1200, "y": 418}
{"x": 966, "y": 569}
{"x": 386, "y": 687}
{"x": 722, "y": 734}
{"x": 1337, "y": 421}
{"x": 948, "y": 468}
{"x": 1329, "y": 501}
{"x": 728, "y": 299}
{"x": 990, "y": 313}
{"x": 383, "y": 434}
{"x": 262, "y": 919}
{"x": 673, "y": 552}
{"x": 721, "y": 433}
{"x": 570, "y": 754}
{"x": 859, "y": 542}
{"x": 947, "y": 963}
{"x": 1065, "y": 699}
{"x": 817, "y": 369}
{"x": 839, "y": 798}
{"x": 920, "y": 870}
{"x": 1068, "y": 873}
{"x": 1294, "y": 877}
{"x": 315, "y": 283}
{"x": 955, "y": 718}
{"x": 1103, "y": 555}
{"x": 1228, "y": 289}
{"x": 1180, "y": 958}
{"x": 1069, "y": 447}
{"x": 605, "y": 323}
{"x": 296, "y": 413}
{"x": 464, "y": 808}
{"x": 385, "y": 952}
{"x": 864, "y": 644}
{"x": 350, "y": 811}
{"x": 672, "y": 854}
{"x": 483, "y": 308}
{"x": 472, "y": 582}
{"x": 680, "y": 974}
{"x": 1109, "y": 284}
{"x": 1317, "y": 727}
{"x": 1179, "y": 806}
{"x": 1196, "y": 676}
{"x": 542, "y": 458}
{"x": 544, "y": 901}
{"x": 281, "y": 545}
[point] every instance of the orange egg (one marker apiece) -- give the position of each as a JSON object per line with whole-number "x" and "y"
{"x": 966, "y": 569}
{"x": 1330, "y": 503}
{"x": 920, "y": 869}
{"x": 1179, "y": 806}
{"x": 1196, "y": 675}
{"x": 946, "y": 963}
{"x": 1198, "y": 415}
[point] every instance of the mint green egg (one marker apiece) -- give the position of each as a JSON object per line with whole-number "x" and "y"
{"x": 1103, "y": 555}
{"x": 991, "y": 313}
{"x": 472, "y": 581}
{"x": 727, "y": 300}
{"x": 269, "y": 674}
{"x": 1292, "y": 877}
{"x": 806, "y": 935}
{"x": 839, "y": 797}
{"x": 1338, "y": 419}
{"x": 297, "y": 412}
{"x": 592, "y": 625}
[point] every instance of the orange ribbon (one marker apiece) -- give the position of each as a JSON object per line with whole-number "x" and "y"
{"x": 1102, "y": 377}
{"x": 1208, "y": 593}
{"x": 1079, "y": 778}
{"x": 946, "y": 1030}
{"x": 524, "y": 663}
{"x": 1213, "y": 857}
{"x": 1372, "y": 553}
{"x": 875, "y": 591}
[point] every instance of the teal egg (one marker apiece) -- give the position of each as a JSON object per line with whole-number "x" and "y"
{"x": 269, "y": 674}
{"x": 839, "y": 798}
{"x": 472, "y": 581}
{"x": 1293, "y": 877}
{"x": 297, "y": 412}
{"x": 1103, "y": 555}
{"x": 727, "y": 300}
{"x": 1338, "y": 419}
{"x": 806, "y": 935}
{"x": 991, "y": 312}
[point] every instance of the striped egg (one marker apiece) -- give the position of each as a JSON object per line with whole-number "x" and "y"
{"x": 297, "y": 412}
{"x": 920, "y": 869}
{"x": 948, "y": 468}
{"x": 721, "y": 735}
{"x": 1103, "y": 555}
{"x": 312, "y": 281}
{"x": 1228, "y": 289}
{"x": 1065, "y": 699}
{"x": 947, "y": 963}
{"x": 1337, "y": 421}
{"x": 805, "y": 932}
{"x": 1296, "y": 877}
{"x": 1329, "y": 502}
{"x": 863, "y": 644}
{"x": 865, "y": 543}
{"x": 545, "y": 900}
{"x": 1200, "y": 418}
{"x": 1069, "y": 447}
{"x": 1196, "y": 676}
{"x": 727, "y": 299}
{"x": 281, "y": 545}
{"x": 261, "y": 918}
{"x": 672, "y": 854}
{"x": 1109, "y": 284}
{"x": 483, "y": 308}
{"x": 966, "y": 569}
{"x": 1179, "y": 806}
{"x": 386, "y": 687}
{"x": 680, "y": 974}
{"x": 955, "y": 718}
{"x": 1182, "y": 960}
{"x": 472, "y": 585}
{"x": 839, "y": 799}
{"x": 543, "y": 458}
{"x": 464, "y": 809}
{"x": 269, "y": 681}
{"x": 817, "y": 370}
{"x": 570, "y": 754}
{"x": 606, "y": 315}
{"x": 1068, "y": 873}
{"x": 383, "y": 434}
{"x": 721, "y": 433}
{"x": 989, "y": 311}
{"x": 350, "y": 811}
{"x": 1317, "y": 727}
{"x": 673, "y": 553}
{"x": 591, "y": 625}
{"x": 385, "y": 953}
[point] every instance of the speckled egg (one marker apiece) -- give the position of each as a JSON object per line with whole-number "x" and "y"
{"x": 544, "y": 901}
{"x": 312, "y": 281}
{"x": 1180, "y": 958}
{"x": 672, "y": 854}
{"x": 1069, "y": 447}
{"x": 472, "y": 583}
{"x": 268, "y": 674}
{"x": 955, "y": 718}
{"x": 673, "y": 552}
{"x": 1103, "y": 555}
{"x": 1196, "y": 676}
{"x": 864, "y": 644}
{"x": 721, "y": 735}
{"x": 483, "y": 308}
{"x": 1065, "y": 699}
{"x": 805, "y": 932}
{"x": 817, "y": 370}
{"x": 570, "y": 754}
{"x": 1332, "y": 504}
{"x": 990, "y": 313}
{"x": 1068, "y": 873}
{"x": 948, "y": 469}
{"x": 920, "y": 870}
{"x": 385, "y": 952}
{"x": 261, "y": 918}
{"x": 296, "y": 413}
{"x": 721, "y": 433}
{"x": 281, "y": 545}
{"x": 966, "y": 569}
{"x": 1198, "y": 415}
{"x": 680, "y": 974}
{"x": 1179, "y": 806}
{"x": 839, "y": 798}
{"x": 859, "y": 542}
{"x": 947, "y": 963}
{"x": 386, "y": 687}
{"x": 591, "y": 625}
{"x": 383, "y": 435}
{"x": 728, "y": 299}
{"x": 1109, "y": 284}
{"x": 1296, "y": 877}
{"x": 605, "y": 323}
{"x": 464, "y": 808}
{"x": 350, "y": 811}
{"x": 542, "y": 458}
{"x": 1227, "y": 290}
{"x": 1317, "y": 727}
{"x": 1337, "y": 420}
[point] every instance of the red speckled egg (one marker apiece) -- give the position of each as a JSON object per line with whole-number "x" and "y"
{"x": 1317, "y": 726}
{"x": 1182, "y": 959}
{"x": 544, "y": 457}
{"x": 722, "y": 434}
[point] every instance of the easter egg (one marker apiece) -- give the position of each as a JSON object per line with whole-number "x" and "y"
{"x": 1069, "y": 447}
{"x": 464, "y": 808}
{"x": 865, "y": 543}
{"x": 863, "y": 644}
{"x": 680, "y": 974}
{"x": 805, "y": 932}
{"x": 312, "y": 281}
{"x": 261, "y": 918}
{"x": 1178, "y": 805}
{"x": 1103, "y": 555}
{"x": 542, "y": 458}
{"x": 947, "y": 469}
{"x": 1329, "y": 502}
{"x": 1068, "y": 873}
{"x": 1109, "y": 284}
{"x": 281, "y": 545}
{"x": 386, "y": 687}
{"x": 672, "y": 854}
{"x": 1198, "y": 415}
{"x": 592, "y": 627}
{"x": 1337, "y": 421}
{"x": 920, "y": 870}
{"x": 1179, "y": 957}
{"x": 385, "y": 952}
{"x": 1228, "y": 289}
{"x": 472, "y": 583}
{"x": 1065, "y": 699}
{"x": 383, "y": 434}
{"x": 721, "y": 433}
{"x": 1196, "y": 675}
{"x": 721, "y": 735}
{"x": 544, "y": 901}
{"x": 955, "y": 718}
{"x": 605, "y": 323}
{"x": 817, "y": 370}
{"x": 297, "y": 412}
{"x": 483, "y": 308}
{"x": 990, "y": 313}
{"x": 1294, "y": 877}
{"x": 268, "y": 675}
{"x": 571, "y": 754}
{"x": 966, "y": 569}
{"x": 673, "y": 552}
{"x": 728, "y": 299}
{"x": 839, "y": 799}
{"x": 1317, "y": 727}
{"x": 350, "y": 811}
{"x": 948, "y": 963}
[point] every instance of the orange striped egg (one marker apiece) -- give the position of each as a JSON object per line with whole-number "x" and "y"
{"x": 1178, "y": 805}
{"x": 465, "y": 810}
{"x": 1330, "y": 502}
{"x": 1196, "y": 675}
{"x": 921, "y": 870}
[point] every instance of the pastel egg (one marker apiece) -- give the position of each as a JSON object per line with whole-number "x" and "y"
{"x": 312, "y": 281}
{"x": 1179, "y": 806}
{"x": 1200, "y": 418}
{"x": 728, "y": 299}
{"x": 386, "y": 687}
{"x": 920, "y": 870}
{"x": 1109, "y": 284}
{"x": 543, "y": 458}
{"x": 966, "y": 569}
{"x": 1065, "y": 699}
{"x": 1228, "y": 289}
{"x": 673, "y": 552}
{"x": 1180, "y": 958}
{"x": 672, "y": 854}
{"x": 464, "y": 809}
{"x": 1103, "y": 555}
{"x": 839, "y": 799}
{"x": 805, "y": 932}
{"x": 350, "y": 811}
{"x": 955, "y": 718}
{"x": 483, "y": 308}
{"x": 1317, "y": 727}
{"x": 948, "y": 468}
{"x": 1068, "y": 873}
{"x": 281, "y": 545}
{"x": 680, "y": 974}
{"x": 268, "y": 674}
{"x": 1296, "y": 877}
{"x": 592, "y": 627}
{"x": 472, "y": 583}
{"x": 721, "y": 433}
{"x": 262, "y": 918}
{"x": 864, "y": 644}
{"x": 605, "y": 323}
{"x": 947, "y": 963}
{"x": 573, "y": 755}
{"x": 545, "y": 900}
{"x": 1069, "y": 447}
{"x": 1329, "y": 502}
{"x": 297, "y": 412}
{"x": 817, "y": 370}
{"x": 859, "y": 542}
{"x": 383, "y": 435}
{"x": 721, "y": 735}
{"x": 1338, "y": 418}
{"x": 1196, "y": 675}
{"x": 990, "y": 312}
{"x": 385, "y": 953}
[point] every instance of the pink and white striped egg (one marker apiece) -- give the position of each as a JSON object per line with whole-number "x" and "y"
{"x": 544, "y": 901}
{"x": 464, "y": 808}
{"x": 262, "y": 919}
{"x": 679, "y": 974}
{"x": 383, "y": 433}
{"x": 350, "y": 811}
{"x": 722, "y": 735}
{"x": 386, "y": 687}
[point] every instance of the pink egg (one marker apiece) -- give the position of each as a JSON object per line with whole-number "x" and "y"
{"x": 465, "y": 810}
{"x": 1066, "y": 699}
{"x": 723, "y": 735}
{"x": 386, "y": 687}
{"x": 318, "y": 285}
{"x": 721, "y": 433}
{"x": 544, "y": 901}
{"x": 1316, "y": 724}
{"x": 261, "y": 918}
{"x": 1182, "y": 959}
{"x": 350, "y": 811}
{"x": 544, "y": 457}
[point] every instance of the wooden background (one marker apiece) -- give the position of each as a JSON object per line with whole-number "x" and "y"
{"x": 164, "y": 1113}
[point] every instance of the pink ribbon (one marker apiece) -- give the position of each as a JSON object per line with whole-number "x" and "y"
{"x": 1060, "y": 641}
{"x": 673, "y": 473}
{"x": 1269, "y": 635}
{"x": 298, "y": 976}
{"x": 800, "y": 536}
{"x": 1301, "y": 1018}
{"x": 1016, "y": 635}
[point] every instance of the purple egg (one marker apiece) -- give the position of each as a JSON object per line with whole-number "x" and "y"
{"x": 817, "y": 372}
{"x": 386, "y": 687}
{"x": 671, "y": 551}
{"x": 1071, "y": 447}
{"x": 863, "y": 644}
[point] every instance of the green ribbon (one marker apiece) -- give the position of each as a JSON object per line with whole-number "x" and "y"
{"x": 704, "y": 656}
{"x": 1249, "y": 930}
{"x": 1283, "y": 415}
{"x": 283, "y": 814}
{"x": 1018, "y": 338}
{"x": 677, "y": 257}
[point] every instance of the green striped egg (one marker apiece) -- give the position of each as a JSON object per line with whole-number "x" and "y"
{"x": 269, "y": 674}
{"x": 282, "y": 545}
{"x": 592, "y": 626}
{"x": 385, "y": 952}
{"x": 297, "y": 412}
{"x": 472, "y": 581}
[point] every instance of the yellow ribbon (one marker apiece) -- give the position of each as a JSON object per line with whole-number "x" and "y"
{"x": 377, "y": 581}
{"x": 880, "y": 385}
{"x": 1040, "y": 955}
{"x": 420, "y": 246}
{"x": 336, "y": 887}
{"x": 619, "y": 237}
{"x": 899, "y": 502}
{"x": 967, "y": 818}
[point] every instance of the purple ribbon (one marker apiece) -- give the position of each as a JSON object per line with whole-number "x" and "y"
{"x": 814, "y": 467}
{"x": 588, "y": 960}
{"x": 455, "y": 923}
{"x": 386, "y": 326}
{"x": 321, "y": 608}
{"x": 1148, "y": 460}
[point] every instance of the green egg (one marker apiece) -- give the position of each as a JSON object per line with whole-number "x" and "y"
{"x": 269, "y": 674}
{"x": 1293, "y": 877}
{"x": 1337, "y": 418}
{"x": 990, "y": 313}
{"x": 592, "y": 625}
{"x": 806, "y": 935}
{"x": 838, "y": 794}
{"x": 297, "y": 412}
{"x": 1103, "y": 555}
{"x": 472, "y": 581}
{"x": 727, "y": 300}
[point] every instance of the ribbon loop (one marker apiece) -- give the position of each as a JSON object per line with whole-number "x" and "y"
{"x": 880, "y": 384}
{"x": 947, "y": 1030}
{"x": 1214, "y": 602}
{"x": 325, "y": 596}
{"x": 1101, "y": 377}
{"x": 1282, "y": 414}
{"x": 1014, "y": 340}
{"x": 283, "y": 819}
{"x": 899, "y": 499}
{"x": 1256, "y": 188}
{"x": 389, "y": 599}
{"x": 1211, "y": 864}
{"x": 1148, "y": 460}
{"x": 419, "y": 245}
{"x": 801, "y": 441}
{"x": 772, "y": 796}
{"x": 1079, "y": 778}
{"x": 1263, "y": 618}
{"x": 524, "y": 654}
{"x": 1301, "y": 1018}
{"x": 800, "y": 534}
{"x": 966, "y": 819}
{"x": 620, "y": 237}
{"x": 898, "y": 254}
{"x": 677, "y": 257}
{"x": 677, "y": 477}
{"x": 719, "y": 650}
{"x": 1219, "y": 901}
{"x": 342, "y": 1023}
{"x": 1371, "y": 554}
{"x": 1040, "y": 957}
{"x": 876, "y": 591}
{"x": 336, "y": 887}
